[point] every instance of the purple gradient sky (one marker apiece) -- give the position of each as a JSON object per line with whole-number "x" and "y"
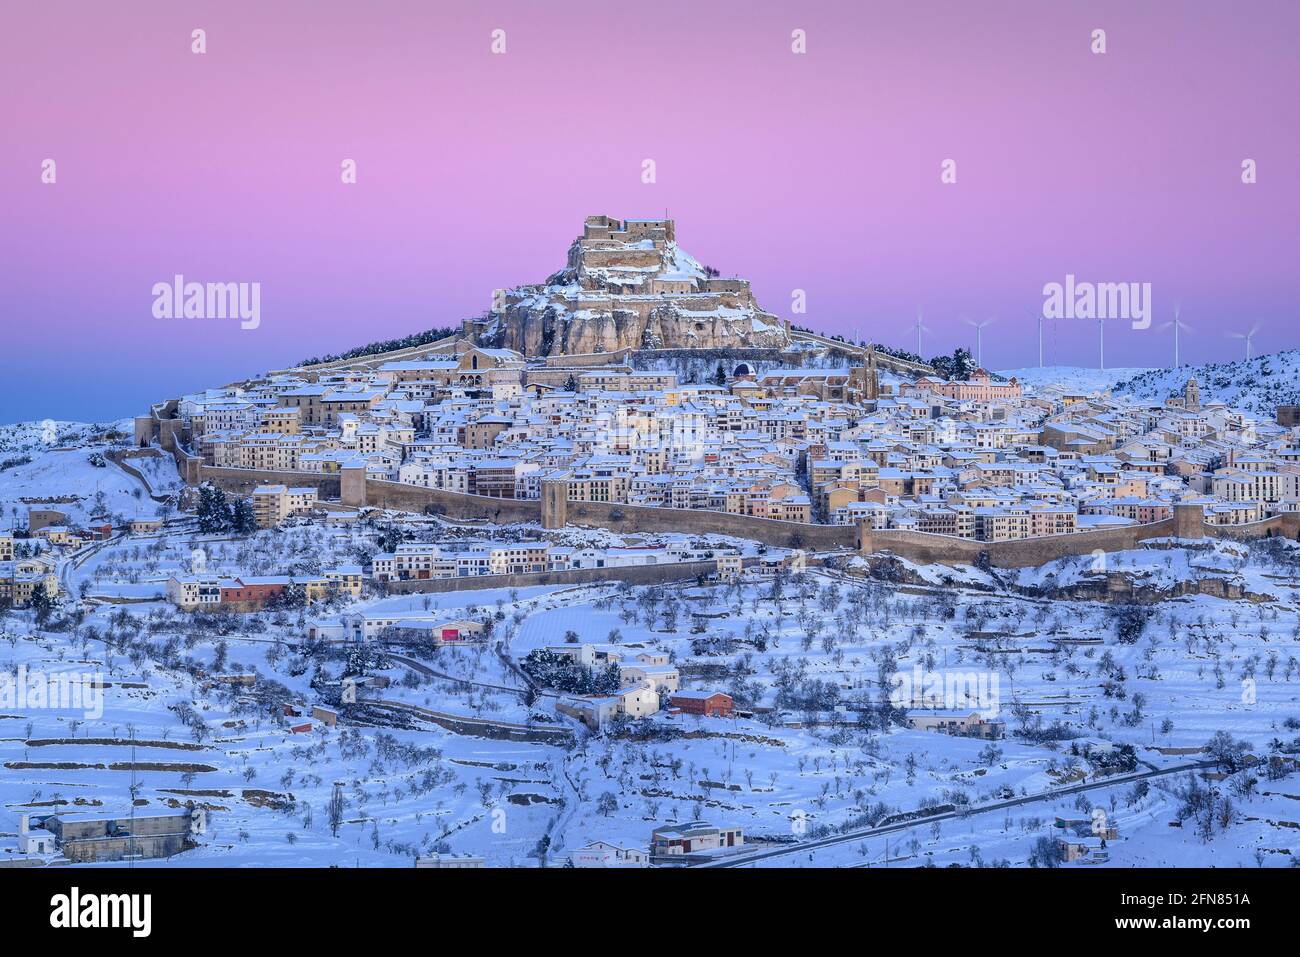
{"x": 818, "y": 172}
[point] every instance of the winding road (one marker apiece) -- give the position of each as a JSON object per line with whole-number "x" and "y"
{"x": 803, "y": 847}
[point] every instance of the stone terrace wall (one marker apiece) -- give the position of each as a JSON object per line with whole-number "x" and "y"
{"x": 636, "y": 574}
{"x": 482, "y": 727}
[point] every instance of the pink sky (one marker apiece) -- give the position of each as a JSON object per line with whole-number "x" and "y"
{"x": 818, "y": 172}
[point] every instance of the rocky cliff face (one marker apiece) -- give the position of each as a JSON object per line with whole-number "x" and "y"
{"x": 628, "y": 285}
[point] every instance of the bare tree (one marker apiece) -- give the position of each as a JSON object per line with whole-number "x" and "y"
{"x": 336, "y": 806}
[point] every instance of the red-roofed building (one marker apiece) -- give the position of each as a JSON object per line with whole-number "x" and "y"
{"x": 252, "y": 593}
{"x": 713, "y": 704}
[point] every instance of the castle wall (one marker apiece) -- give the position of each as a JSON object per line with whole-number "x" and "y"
{"x": 555, "y": 504}
{"x": 352, "y": 486}
{"x": 1187, "y": 523}
{"x": 245, "y": 480}
{"x": 923, "y": 547}
{"x": 457, "y": 505}
{"x": 188, "y": 466}
{"x": 121, "y": 459}
{"x": 555, "y": 511}
{"x": 146, "y": 430}
{"x": 631, "y": 519}
{"x": 1285, "y": 526}
{"x": 618, "y": 255}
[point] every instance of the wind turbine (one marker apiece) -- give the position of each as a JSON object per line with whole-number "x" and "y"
{"x": 1101, "y": 343}
{"x": 979, "y": 346}
{"x": 1040, "y": 340}
{"x": 1247, "y": 336}
{"x": 919, "y": 329}
{"x": 1177, "y": 324}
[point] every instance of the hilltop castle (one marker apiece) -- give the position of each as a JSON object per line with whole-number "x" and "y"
{"x": 628, "y": 285}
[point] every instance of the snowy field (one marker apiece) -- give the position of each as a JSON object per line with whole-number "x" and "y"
{"x": 809, "y": 657}
{"x": 1072, "y": 378}
{"x": 61, "y": 465}
{"x": 1258, "y": 385}
{"x": 450, "y": 751}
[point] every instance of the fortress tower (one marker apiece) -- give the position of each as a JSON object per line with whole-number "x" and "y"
{"x": 626, "y": 284}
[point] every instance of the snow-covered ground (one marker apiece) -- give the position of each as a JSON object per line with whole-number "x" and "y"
{"x": 808, "y": 656}
{"x": 1259, "y": 385}
{"x": 62, "y": 465}
{"x": 808, "y": 659}
{"x": 1074, "y": 378}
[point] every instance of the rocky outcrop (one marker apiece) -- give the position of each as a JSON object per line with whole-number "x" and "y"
{"x": 628, "y": 285}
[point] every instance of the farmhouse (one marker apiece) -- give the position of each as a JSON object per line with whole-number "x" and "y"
{"x": 713, "y": 704}
{"x": 675, "y": 839}
{"x": 969, "y": 724}
{"x": 604, "y": 854}
{"x": 597, "y": 711}
{"x": 139, "y": 834}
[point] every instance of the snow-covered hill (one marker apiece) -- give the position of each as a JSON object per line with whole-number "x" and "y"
{"x": 34, "y": 437}
{"x": 62, "y": 465}
{"x": 1259, "y": 385}
{"x": 1071, "y": 377}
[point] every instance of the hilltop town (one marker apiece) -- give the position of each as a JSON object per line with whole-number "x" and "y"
{"x": 540, "y": 593}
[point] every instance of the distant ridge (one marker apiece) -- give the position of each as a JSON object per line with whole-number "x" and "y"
{"x": 1258, "y": 385}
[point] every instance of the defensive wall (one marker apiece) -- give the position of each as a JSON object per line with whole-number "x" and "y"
{"x": 162, "y": 428}
{"x": 631, "y": 519}
{"x": 923, "y": 547}
{"x": 1188, "y": 522}
{"x": 455, "y": 505}
{"x": 356, "y": 490}
{"x": 245, "y": 480}
{"x": 553, "y": 511}
{"x": 1284, "y": 526}
{"x": 122, "y": 460}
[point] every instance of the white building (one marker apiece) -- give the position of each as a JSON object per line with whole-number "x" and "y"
{"x": 604, "y": 854}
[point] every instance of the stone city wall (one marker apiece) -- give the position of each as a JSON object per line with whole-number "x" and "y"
{"x": 924, "y": 547}
{"x": 245, "y": 480}
{"x": 1188, "y": 523}
{"x": 455, "y": 505}
{"x": 551, "y": 511}
{"x": 630, "y": 519}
